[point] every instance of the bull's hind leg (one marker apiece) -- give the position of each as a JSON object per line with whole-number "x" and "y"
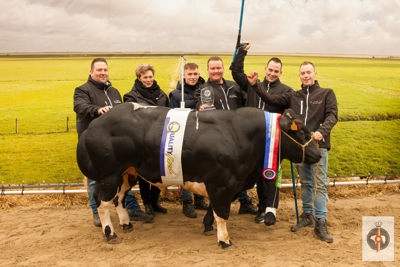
{"x": 123, "y": 216}
{"x": 108, "y": 228}
{"x": 222, "y": 232}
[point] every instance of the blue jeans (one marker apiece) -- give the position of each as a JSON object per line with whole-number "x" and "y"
{"x": 131, "y": 202}
{"x": 244, "y": 197}
{"x": 319, "y": 172}
{"x": 187, "y": 196}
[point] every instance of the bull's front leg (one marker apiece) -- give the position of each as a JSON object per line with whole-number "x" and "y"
{"x": 222, "y": 232}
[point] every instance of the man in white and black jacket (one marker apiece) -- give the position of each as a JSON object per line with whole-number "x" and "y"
{"x": 318, "y": 109}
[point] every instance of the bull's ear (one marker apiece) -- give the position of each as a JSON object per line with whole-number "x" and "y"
{"x": 294, "y": 127}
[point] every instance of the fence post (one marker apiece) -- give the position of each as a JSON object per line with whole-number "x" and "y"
{"x": 16, "y": 125}
{"x": 67, "y": 123}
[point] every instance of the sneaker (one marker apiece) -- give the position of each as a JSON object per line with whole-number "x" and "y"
{"x": 321, "y": 230}
{"x": 139, "y": 215}
{"x": 259, "y": 217}
{"x": 270, "y": 216}
{"x": 158, "y": 208}
{"x": 200, "y": 205}
{"x": 306, "y": 220}
{"x": 188, "y": 210}
{"x": 96, "y": 219}
{"x": 248, "y": 208}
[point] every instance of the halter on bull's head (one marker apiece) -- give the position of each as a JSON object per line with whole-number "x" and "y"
{"x": 295, "y": 135}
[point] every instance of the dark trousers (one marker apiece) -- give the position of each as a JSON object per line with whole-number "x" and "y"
{"x": 268, "y": 194}
{"x": 149, "y": 193}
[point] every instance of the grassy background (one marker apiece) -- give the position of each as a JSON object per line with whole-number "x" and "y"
{"x": 39, "y": 92}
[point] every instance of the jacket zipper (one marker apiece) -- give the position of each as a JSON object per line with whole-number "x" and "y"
{"x": 305, "y": 119}
{"x": 105, "y": 92}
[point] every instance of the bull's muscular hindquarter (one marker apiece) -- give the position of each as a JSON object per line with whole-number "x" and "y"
{"x": 222, "y": 152}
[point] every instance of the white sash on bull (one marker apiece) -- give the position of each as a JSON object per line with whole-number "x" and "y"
{"x": 272, "y": 137}
{"x": 171, "y": 146}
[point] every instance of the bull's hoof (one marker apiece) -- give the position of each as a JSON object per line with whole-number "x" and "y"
{"x": 225, "y": 245}
{"x": 110, "y": 238}
{"x": 208, "y": 230}
{"x": 126, "y": 228}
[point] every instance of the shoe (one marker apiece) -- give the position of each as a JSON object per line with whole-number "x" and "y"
{"x": 200, "y": 205}
{"x": 158, "y": 208}
{"x": 139, "y": 215}
{"x": 188, "y": 210}
{"x": 96, "y": 219}
{"x": 321, "y": 230}
{"x": 306, "y": 220}
{"x": 248, "y": 208}
{"x": 270, "y": 216}
{"x": 148, "y": 209}
{"x": 259, "y": 217}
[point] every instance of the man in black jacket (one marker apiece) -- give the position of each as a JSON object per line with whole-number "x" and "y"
{"x": 91, "y": 100}
{"x": 267, "y": 191}
{"x": 225, "y": 95}
{"x": 318, "y": 108}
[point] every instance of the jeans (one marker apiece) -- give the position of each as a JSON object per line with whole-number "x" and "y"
{"x": 187, "y": 196}
{"x": 131, "y": 202}
{"x": 244, "y": 197}
{"x": 315, "y": 175}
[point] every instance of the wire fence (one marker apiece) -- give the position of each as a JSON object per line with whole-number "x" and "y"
{"x": 79, "y": 188}
{"x": 22, "y": 126}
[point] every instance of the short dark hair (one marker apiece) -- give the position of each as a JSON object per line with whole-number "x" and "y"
{"x": 98, "y": 59}
{"x": 276, "y": 60}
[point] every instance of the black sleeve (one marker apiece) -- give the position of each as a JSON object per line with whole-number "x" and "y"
{"x": 282, "y": 100}
{"x": 173, "y": 100}
{"x": 128, "y": 97}
{"x": 83, "y": 104}
{"x": 237, "y": 68}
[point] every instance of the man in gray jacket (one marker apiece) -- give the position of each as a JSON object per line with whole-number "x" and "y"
{"x": 318, "y": 108}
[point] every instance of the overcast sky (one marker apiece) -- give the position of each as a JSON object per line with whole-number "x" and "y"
{"x": 350, "y": 27}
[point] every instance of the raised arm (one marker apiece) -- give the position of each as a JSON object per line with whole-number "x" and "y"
{"x": 237, "y": 67}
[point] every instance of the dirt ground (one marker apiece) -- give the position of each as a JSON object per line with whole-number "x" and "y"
{"x": 57, "y": 230}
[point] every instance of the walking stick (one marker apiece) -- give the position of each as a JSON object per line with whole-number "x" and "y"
{"x": 294, "y": 192}
{"x": 239, "y": 33}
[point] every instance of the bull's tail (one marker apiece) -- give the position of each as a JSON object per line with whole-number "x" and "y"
{"x": 85, "y": 164}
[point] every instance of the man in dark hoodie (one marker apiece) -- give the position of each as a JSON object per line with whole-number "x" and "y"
{"x": 91, "y": 100}
{"x": 267, "y": 191}
{"x": 318, "y": 109}
{"x": 192, "y": 81}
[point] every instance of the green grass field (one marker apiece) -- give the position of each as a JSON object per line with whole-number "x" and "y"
{"x": 38, "y": 93}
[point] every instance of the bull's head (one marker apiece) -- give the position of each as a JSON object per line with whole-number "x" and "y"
{"x": 297, "y": 144}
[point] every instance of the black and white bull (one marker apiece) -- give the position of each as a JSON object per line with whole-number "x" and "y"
{"x": 222, "y": 154}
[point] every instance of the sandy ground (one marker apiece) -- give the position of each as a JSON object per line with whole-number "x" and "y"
{"x": 44, "y": 230}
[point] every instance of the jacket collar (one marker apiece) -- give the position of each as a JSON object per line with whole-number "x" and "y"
{"x": 101, "y": 86}
{"x": 311, "y": 88}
